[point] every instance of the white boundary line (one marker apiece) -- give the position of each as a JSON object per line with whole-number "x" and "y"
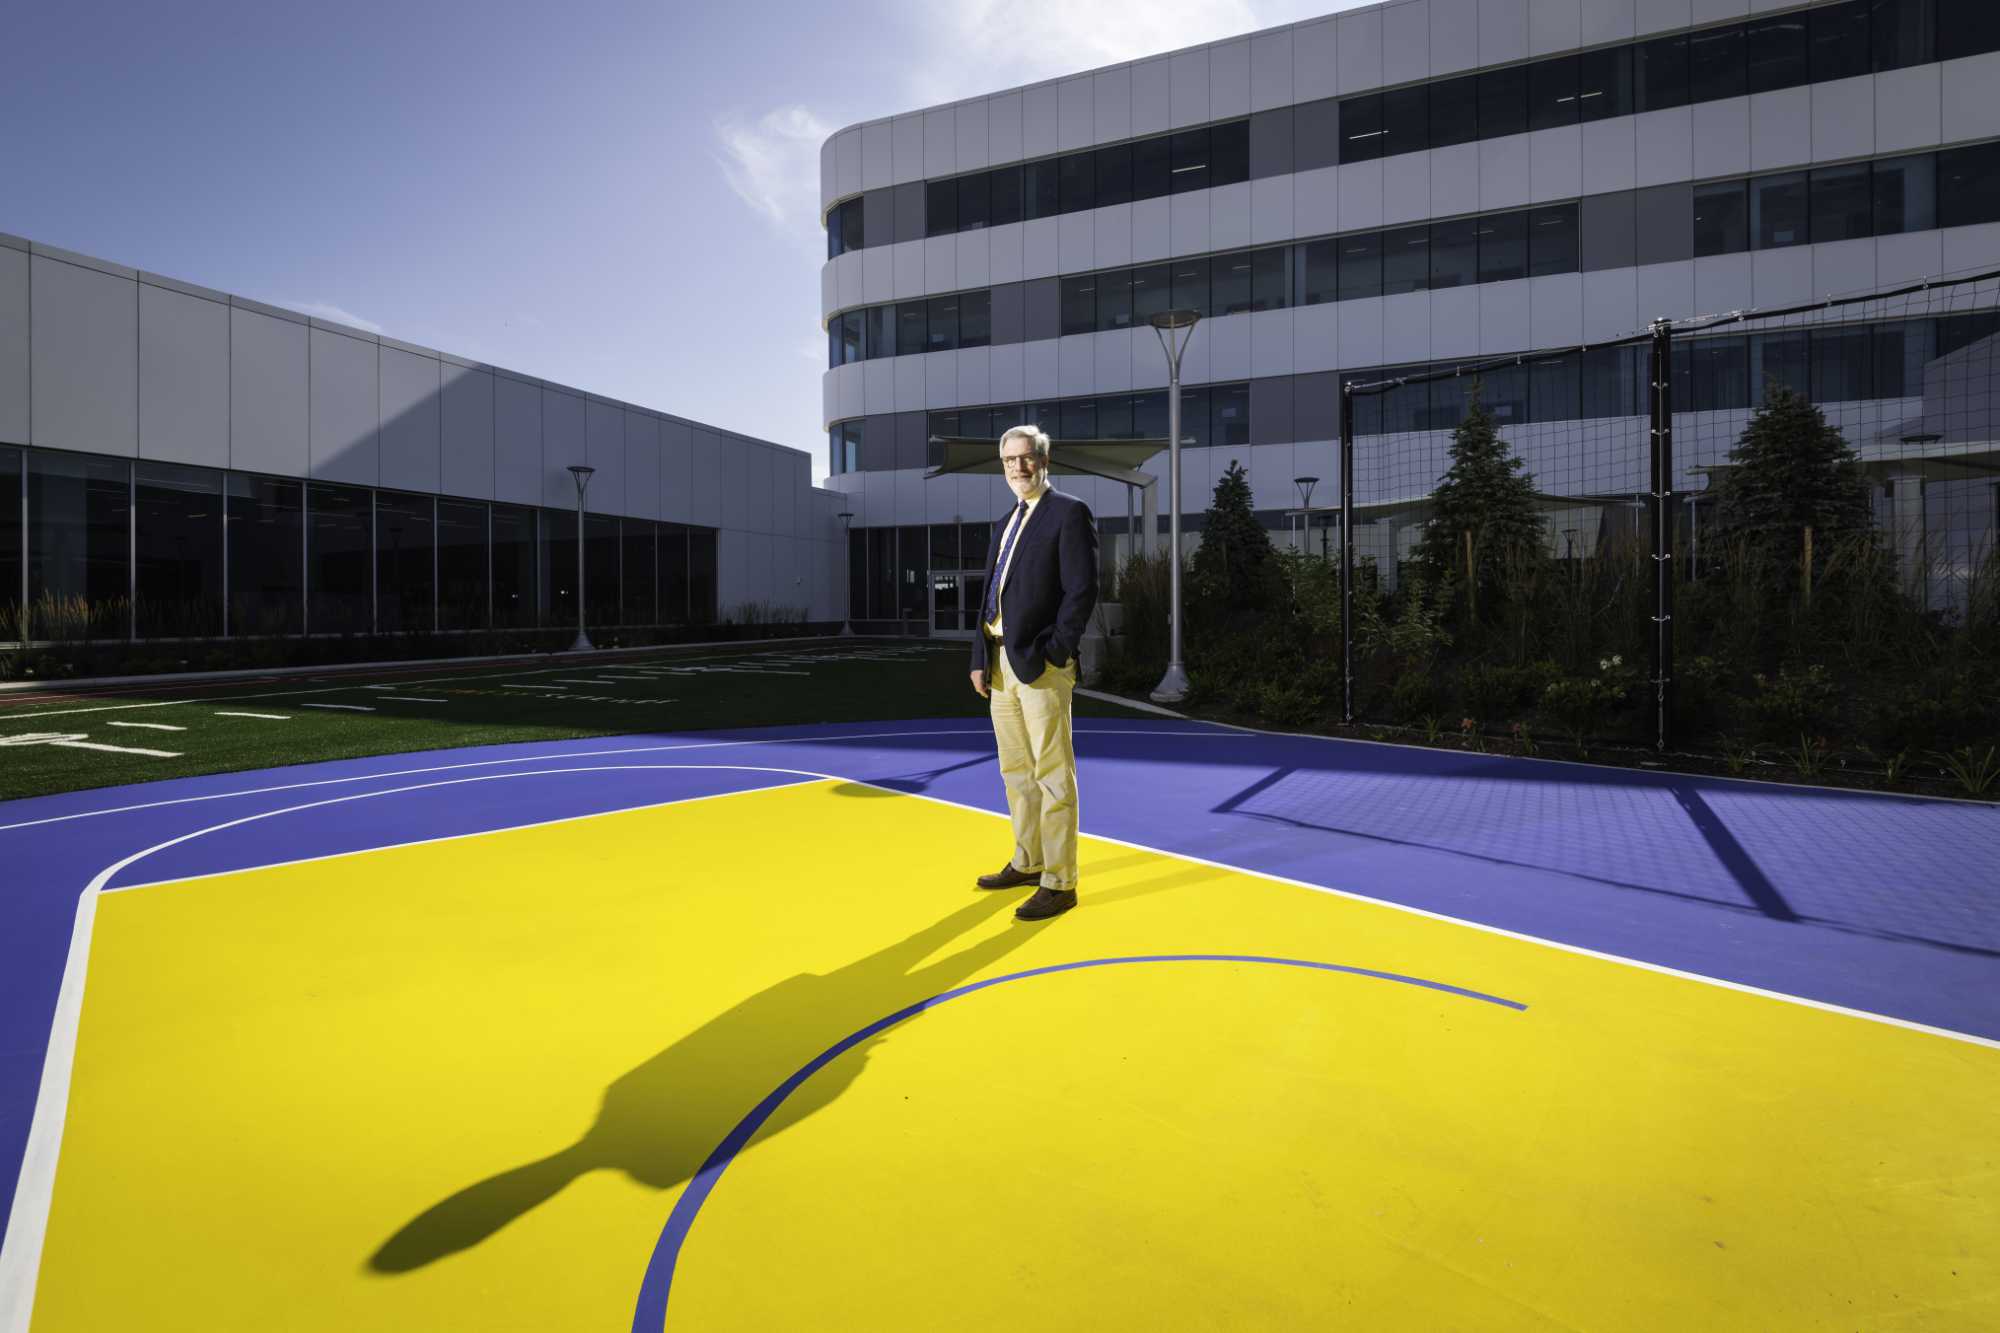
{"x": 20, "y": 1257}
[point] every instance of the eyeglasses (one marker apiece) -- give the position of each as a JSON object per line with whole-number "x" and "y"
{"x": 1028, "y": 460}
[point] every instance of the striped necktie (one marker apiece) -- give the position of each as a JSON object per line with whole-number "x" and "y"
{"x": 992, "y": 606}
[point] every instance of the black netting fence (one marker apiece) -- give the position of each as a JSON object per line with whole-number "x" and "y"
{"x": 1770, "y": 529}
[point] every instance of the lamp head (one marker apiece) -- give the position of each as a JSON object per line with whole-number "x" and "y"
{"x": 1174, "y": 319}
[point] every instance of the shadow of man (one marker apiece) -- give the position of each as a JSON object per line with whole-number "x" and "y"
{"x": 659, "y": 1122}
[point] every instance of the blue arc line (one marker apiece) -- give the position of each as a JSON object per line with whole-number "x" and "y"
{"x": 651, "y": 1314}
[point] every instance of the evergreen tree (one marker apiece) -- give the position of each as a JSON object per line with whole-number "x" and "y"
{"x": 1234, "y": 560}
{"x": 1484, "y": 493}
{"x": 1792, "y": 472}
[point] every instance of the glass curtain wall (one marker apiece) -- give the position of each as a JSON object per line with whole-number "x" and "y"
{"x": 514, "y": 567}
{"x": 674, "y": 574}
{"x": 558, "y": 543}
{"x": 339, "y": 572}
{"x": 79, "y": 546}
{"x": 461, "y": 565}
{"x": 640, "y": 573}
{"x": 267, "y": 585}
{"x": 11, "y": 565}
{"x": 178, "y": 561}
{"x": 701, "y": 576}
{"x": 405, "y": 563}
{"x": 600, "y": 557}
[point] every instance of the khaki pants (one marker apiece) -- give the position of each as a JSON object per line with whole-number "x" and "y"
{"x": 1038, "y": 765}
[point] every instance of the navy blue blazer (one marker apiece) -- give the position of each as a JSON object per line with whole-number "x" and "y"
{"x": 1051, "y": 585}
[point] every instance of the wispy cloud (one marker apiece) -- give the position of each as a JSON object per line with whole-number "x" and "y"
{"x": 772, "y": 163}
{"x": 332, "y": 313}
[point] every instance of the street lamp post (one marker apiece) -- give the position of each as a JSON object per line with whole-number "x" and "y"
{"x": 582, "y": 475}
{"x": 846, "y": 517}
{"x": 1305, "y": 485}
{"x": 1175, "y": 329}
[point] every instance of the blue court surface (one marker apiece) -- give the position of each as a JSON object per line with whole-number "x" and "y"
{"x": 593, "y": 1033}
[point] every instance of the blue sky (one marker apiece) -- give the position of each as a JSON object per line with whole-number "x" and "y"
{"x": 616, "y": 195}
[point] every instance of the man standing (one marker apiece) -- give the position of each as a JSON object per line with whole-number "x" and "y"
{"x": 1040, "y": 589}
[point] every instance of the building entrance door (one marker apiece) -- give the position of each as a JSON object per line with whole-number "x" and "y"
{"x": 955, "y": 600}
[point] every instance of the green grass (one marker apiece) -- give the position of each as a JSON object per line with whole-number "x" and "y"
{"x": 853, "y": 680}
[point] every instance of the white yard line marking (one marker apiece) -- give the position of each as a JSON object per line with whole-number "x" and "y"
{"x": 409, "y": 699}
{"x": 566, "y": 680}
{"x": 78, "y": 740}
{"x": 557, "y": 688}
{"x": 149, "y": 726}
{"x": 267, "y": 717}
{"x": 345, "y": 708}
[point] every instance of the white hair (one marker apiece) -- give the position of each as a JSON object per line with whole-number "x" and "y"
{"x": 1032, "y": 434}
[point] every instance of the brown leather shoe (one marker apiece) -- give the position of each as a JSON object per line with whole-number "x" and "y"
{"x": 1009, "y": 878}
{"x": 1046, "y": 903}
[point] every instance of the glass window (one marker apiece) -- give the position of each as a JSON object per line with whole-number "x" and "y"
{"x": 10, "y": 544}
{"x": 1406, "y": 260}
{"x": 1271, "y": 278}
{"x": 1229, "y": 415}
{"x": 671, "y": 548}
{"x": 1004, "y": 196}
{"x": 833, "y": 341}
{"x": 907, "y": 205}
{"x": 79, "y": 546}
{"x": 1838, "y": 35}
{"x": 1778, "y": 211}
{"x": 1969, "y": 185}
{"x": 1905, "y": 194}
{"x": 880, "y": 338}
{"x": 1968, "y": 27}
{"x": 1114, "y": 175}
{"x": 1361, "y": 132}
{"x": 1503, "y": 247}
{"x": 1041, "y": 189}
{"x": 1360, "y": 266}
{"x": 1152, "y": 292}
{"x": 405, "y": 563}
{"x": 514, "y": 566}
{"x": 1454, "y": 111}
{"x": 1079, "y": 420}
{"x": 1901, "y": 350}
{"x": 178, "y": 560}
{"x": 975, "y": 318}
{"x": 1842, "y": 206}
{"x": 913, "y": 574}
{"x": 1614, "y": 382}
{"x": 850, "y": 336}
{"x": 1719, "y": 375}
{"x": 1229, "y": 153}
{"x": 600, "y": 562}
{"x": 1190, "y": 156}
{"x": 1660, "y": 73}
{"x": 1504, "y": 390}
{"x": 1552, "y": 92}
{"x": 1904, "y": 32}
{"x": 1721, "y": 218}
{"x": 942, "y": 334}
{"x": 1503, "y": 102}
{"x": 945, "y": 548}
{"x": 461, "y": 564}
{"x": 1552, "y": 240}
{"x": 1776, "y": 53}
{"x": 1114, "y": 300}
{"x": 701, "y": 576}
{"x": 1406, "y": 118}
{"x": 1229, "y": 284}
{"x": 910, "y": 328}
{"x": 851, "y": 226}
{"x": 637, "y": 567}
{"x": 940, "y": 207}
{"x": 1322, "y": 272}
{"x": 1555, "y": 388}
{"x": 1191, "y": 285}
{"x": 1149, "y": 415}
{"x": 1715, "y": 64}
{"x": 1604, "y": 83}
{"x": 858, "y": 581}
{"x": 339, "y": 578}
{"x": 1152, "y": 168}
{"x": 266, "y": 555}
{"x": 1778, "y": 358}
{"x": 1194, "y": 417}
{"x": 1455, "y": 253}
{"x": 1079, "y": 304}
{"x": 1843, "y": 362}
{"x": 836, "y": 244}
{"x": 1076, "y": 182}
{"x": 975, "y": 201}
{"x": 1957, "y": 331}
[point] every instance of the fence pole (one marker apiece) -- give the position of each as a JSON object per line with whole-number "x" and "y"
{"x": 1663, "y": 532}
{"x": 1346, "y": 553}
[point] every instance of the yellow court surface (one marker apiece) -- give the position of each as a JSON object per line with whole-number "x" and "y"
{"x": 461, "y": 1085}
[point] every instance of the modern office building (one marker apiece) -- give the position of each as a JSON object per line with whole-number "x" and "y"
{"x": 1392, "y": 187}
{"x": 176, "y": 461}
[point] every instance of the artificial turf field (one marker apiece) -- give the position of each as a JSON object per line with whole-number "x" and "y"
{"x": 54, "y": 740}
